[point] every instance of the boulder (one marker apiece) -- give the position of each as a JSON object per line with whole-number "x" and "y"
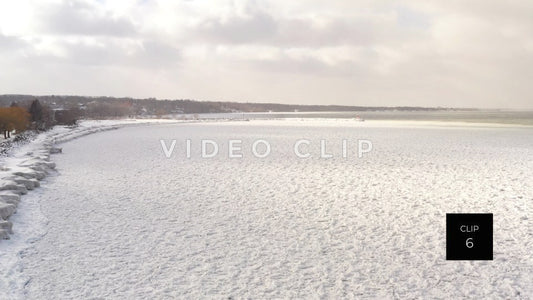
{"x": 9, "y": 185}
{"x": 55, "y": 150}
{"x": 4, "y": 235}
{"x": 36, "y": 182}
{"x": 38, "y": 168}
{"x": 29, "y": 174}
{"x": 9, "y": 198}
{"x": 6, "y": 210}
{"x": 38, "y": 164}
{"x": 7, "y": 226}
{"x": 28, "y": 183}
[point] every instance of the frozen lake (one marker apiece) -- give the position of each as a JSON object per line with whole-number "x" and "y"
{"x": 124, "y": 221}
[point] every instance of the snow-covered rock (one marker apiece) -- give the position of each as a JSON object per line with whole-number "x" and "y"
{"x": 9, "y": 198}
{"x": 30, "y": 173}
{"x": 10, "y": 185}
{"x": 6, "y": 210}
{"x": 28, "y": 183}
{"x": 55, "y": 150}
{"x": 7, "y": 226}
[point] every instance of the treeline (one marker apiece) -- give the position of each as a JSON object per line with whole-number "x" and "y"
{"x": 17, "y": 118}
{"x": 110, "y": 107}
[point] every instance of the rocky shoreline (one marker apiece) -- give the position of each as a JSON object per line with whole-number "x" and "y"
{"x": 24, "y": 172}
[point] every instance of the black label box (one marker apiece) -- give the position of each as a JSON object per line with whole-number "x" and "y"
{"x": 469, "y": 236}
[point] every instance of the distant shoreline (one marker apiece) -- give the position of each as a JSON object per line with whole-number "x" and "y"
{"x": 153, "y": 105}
{"x": 479, "y": 116}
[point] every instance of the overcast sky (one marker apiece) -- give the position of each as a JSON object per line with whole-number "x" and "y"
{"x": 453, "y": 53}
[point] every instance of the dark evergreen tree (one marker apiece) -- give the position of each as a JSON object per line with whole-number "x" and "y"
{"x": 36, "y": 111}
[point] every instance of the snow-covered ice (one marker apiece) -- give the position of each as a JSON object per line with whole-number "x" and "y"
{"x": 119, "y": 220}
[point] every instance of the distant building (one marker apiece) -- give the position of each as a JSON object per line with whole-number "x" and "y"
{"x": 64, "y": 116}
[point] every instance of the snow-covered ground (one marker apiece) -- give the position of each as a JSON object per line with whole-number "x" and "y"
{"x": 26, "y": 164}
{"x": 120, "y": 220}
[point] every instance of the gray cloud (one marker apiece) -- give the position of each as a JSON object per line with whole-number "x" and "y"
{"x": 8, "y": 43}
{"x": 258, "y": 27}
{"x": 155, "y": 54}
{"x": 80, "y": 18}
{"x": 304, "y": 32}
{"x": 117, "y": 53}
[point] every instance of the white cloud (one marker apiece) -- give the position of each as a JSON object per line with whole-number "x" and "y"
{"x": 430, "y": 53}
